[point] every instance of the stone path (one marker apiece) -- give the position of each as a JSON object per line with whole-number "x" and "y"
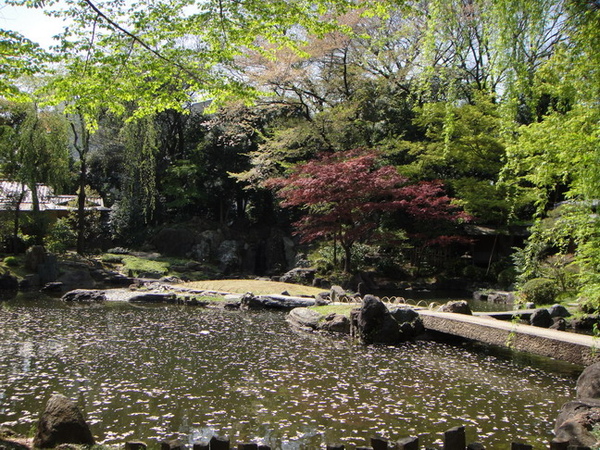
{"x": 571, "y": 347}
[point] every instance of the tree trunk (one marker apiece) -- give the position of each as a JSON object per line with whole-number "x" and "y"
{"x": 81, "y": 200}
{"x": 347, "y": 257}
{"x": 37, "y": 217}
{"x": 82, "y": 151}
{"x": 17, "y": 219}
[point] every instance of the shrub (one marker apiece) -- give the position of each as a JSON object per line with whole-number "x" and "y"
{"x": 473, "y": 272}
{"x": 540, "y": 291}
{"x": 61, "y": 237}
{"x": 507, "y": 277}
{"x": 11, "y": 261}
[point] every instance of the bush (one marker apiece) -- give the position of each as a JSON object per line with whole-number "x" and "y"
{"x": 61, "y": 237}
{"x": 11, "y": 261}
{"x": 473, "y": 272}
{"x": 507, "y": 277}
{"x": 540, "y": 291}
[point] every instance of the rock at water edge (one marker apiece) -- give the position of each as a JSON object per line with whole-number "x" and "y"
{"x": 62, "y": 423}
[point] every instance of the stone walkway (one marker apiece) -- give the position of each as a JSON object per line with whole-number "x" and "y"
{"x": 571, "y": 347}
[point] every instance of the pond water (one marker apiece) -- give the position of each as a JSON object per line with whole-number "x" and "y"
{"x": 156, "y": 372}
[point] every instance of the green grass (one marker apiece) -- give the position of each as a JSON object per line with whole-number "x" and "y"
{"x": 257, "y": 287}
{"x": 135, "y": 266}
{"x": 337, "y": 309}
{"x": 15, "y": 265}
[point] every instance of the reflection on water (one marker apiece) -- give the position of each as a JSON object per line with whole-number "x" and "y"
{"x": 156, "y": 372}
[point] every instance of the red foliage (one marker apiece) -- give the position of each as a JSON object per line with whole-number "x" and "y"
{"x": 342, "y": 194}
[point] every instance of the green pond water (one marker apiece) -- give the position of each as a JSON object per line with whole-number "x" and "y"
{"x": 157, "y": 372}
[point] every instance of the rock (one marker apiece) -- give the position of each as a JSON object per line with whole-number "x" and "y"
{"x": 404, "y": 314}
{"x": 153, "y": 297}
{"x": 62, "y": 423}
{"x": 558, "y": 311}
{"x": 336, "y": 323}
{"x": 171, "y": 280}
{"x": 34, "y": 256}
{"x": 299, "y": 275}
{"x": 207, "y": 245}
{"x": 373, "y": 323}
{"x": 32, "y": 279}
{"x": 148, "y": 275}
{"x": 456, "y": 307}
{"x": 558, "y": 323}
{"x": 501, "y": 297}
{"x": 575, "y": 407}
{"x": 576, "y": 429}
{"x": 84, "y": 296}
{"x": 228, "y": 255}
{"x": 541, "y": 318}
{"x": 48, "y": 270}
{"x": 337, "y": 293}
{"x": 250, "y": 301}
{"x": 588, "y": 383}
{"x": 304, "y": 318}
{"x": 55, "y": 286}
{"x": 9, "y": 282}
{"x": 118, "y": 251}
{"x": 79, "y": 277}
{"x": 585, "y": 323}
{"x": 322, "y": 299}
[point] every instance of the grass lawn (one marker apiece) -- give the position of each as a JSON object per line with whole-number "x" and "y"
{"x": 257, "y": 287}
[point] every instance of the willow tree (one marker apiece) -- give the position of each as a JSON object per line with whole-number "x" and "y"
{"x": 33, "y": 150}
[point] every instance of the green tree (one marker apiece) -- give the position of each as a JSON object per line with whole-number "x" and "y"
{"x": 558, "y": 157}
{"x": 34, "y": 150}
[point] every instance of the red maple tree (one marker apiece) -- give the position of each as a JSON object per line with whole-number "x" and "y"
{"x": 342, "y": 195}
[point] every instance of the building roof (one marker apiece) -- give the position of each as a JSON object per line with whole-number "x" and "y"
{"x": 12, "y": 191}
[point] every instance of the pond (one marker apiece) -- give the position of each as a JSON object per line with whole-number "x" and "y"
{"x": 156, "y": 372}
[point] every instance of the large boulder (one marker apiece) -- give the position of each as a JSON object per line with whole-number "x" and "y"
{"x": 576, "y": 430}
{"x": 62, "y": 423}
{"x": 457, "y": 307}
{"x": 409, "y": 321}
{"x": 77, "y": 277}
{"x": 282, "y": 302}
{"x": 336, "y": 323}
{"x": 558, "y": 311}
{"x": 207, "y": 245}
{"x": 45, "y": 264}
{"x": 541, "y": 318}
{"x": 577, "y": 418}
{"x": 229, "y": 256}
{"x": 34, "y": 256}
{"x": 305, "y": 318}
{"x": 588, "y": 383}
{"x": 153, "y": 297}
{"x": 373, "y": 323}
{"x": 8, "y": 282}
{"x": 84, "y": 296}
{"x": 299, "y": 275}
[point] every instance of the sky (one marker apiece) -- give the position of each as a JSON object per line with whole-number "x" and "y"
{"x": 31, "y": 23}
